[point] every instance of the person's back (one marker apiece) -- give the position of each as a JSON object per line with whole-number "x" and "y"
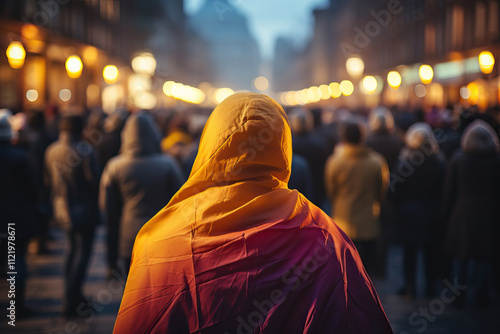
{"x": 235, "y": 250}
{"x": 137, "y": 183}
{"x": 72, "y": 173}
{"x": 356, "y": 180}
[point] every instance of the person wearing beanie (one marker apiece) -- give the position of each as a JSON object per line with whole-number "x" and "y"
{"x": 17, "y": 198}
{"x": 72, "y": 173}
{"x": 356, "y": 180}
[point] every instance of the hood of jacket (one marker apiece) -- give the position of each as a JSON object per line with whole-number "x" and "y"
{"x": 480, "y": 138}
{"x": 140, "y": 136}
{"x": 420, "y": 137}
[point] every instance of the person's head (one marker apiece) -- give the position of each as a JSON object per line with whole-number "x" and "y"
{"x": 5, "y": 128}
{"x": 480, "y": 138}
{"x": 301, "y": 121}
{"x": 420, "y": 137}
{"x": 351, "y": 131}
{"x": 71, "y": 124}
{"x": 381, "y": 120}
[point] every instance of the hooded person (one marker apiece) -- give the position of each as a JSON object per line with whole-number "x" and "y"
{"x": 235, "y": 250}
{"x": 472, "y": 211}
{"x": 416, "y": 192}
{"x": 135, "y": 185}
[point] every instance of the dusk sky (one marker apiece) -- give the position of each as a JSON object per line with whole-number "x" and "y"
{"x": 270, "y": 19}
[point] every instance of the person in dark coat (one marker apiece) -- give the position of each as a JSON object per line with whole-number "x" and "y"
{"x": 300, "y": 177}
{"x": 135, "y": 185}
{"x": 472, "y": 211}
{"x": 17, "y": 198}
{"x": 416, "y": 191}
{"x": 313, "y": 148}
{"x": 109, "y": 144}
{"x": 72, "y": 172}
{"x": 383, "y": 139}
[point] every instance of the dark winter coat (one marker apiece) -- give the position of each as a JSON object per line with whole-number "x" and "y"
{"x": 137, "y": 183}
{"x": 472, "y": 196}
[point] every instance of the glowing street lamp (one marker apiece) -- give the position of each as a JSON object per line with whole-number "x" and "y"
{"x": 261, "y": 83}
{"x": 394, "y": 79}
{"x": 346, "y": 87}
{"x": 16, "y": 55}
{"x": 355, "y": 67}
{"x": 74, "y": 66}
{"x": 370, "y": 84}
{"x": 144, "y": 63}
{"x": 426, "y": 74}
{"x": 486, "y": 62}
{"x": 110, "y": 74}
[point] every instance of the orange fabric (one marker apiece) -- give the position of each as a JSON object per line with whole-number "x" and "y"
{"x": 234, "y": 250}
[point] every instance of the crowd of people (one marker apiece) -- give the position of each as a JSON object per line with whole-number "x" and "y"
{"x": 428, "y": 181}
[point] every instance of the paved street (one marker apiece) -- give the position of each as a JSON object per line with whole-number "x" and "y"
{"x": 45, "y": 287}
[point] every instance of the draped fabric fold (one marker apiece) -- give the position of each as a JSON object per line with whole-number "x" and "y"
{"x": 236, "y": 251}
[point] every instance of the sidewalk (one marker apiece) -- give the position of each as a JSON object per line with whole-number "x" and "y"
{"x": 45, "y": 288}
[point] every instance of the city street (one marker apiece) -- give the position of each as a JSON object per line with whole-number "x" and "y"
{"x": 45, "y": 288}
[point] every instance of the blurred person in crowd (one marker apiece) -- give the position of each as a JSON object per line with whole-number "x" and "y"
{"x": 177, "y": 137}
{"x": 356, "y": 180}
{"x": 313, "y": 148}
{"x": 72, "y": 172}
{"x": 36, "y": 142}
{"x": 472, "y": 213}
{"x": 17, "y": 206}
{"x": 135, "y": 185}
{"x": 235, "y": 242}
{"x": 109, "y": 145}
{"x": 383, "y": 139}
{"x": 301, "y": 177}
{"x": 416, "y": 191}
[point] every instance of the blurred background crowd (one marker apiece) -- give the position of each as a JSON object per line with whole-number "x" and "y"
{"x": 425, "y": 180}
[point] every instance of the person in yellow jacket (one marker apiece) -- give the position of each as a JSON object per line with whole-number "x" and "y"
{"x": 356, "y": 180}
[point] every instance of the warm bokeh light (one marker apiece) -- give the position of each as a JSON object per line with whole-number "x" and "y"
{"x": 74, "y": 66}
{"x": 261, "y": 83}
{"x": 426, "y": 74}
{"x": 313, "y": 94}
{"x": 144, "y": 100}
{"x": 29, "y": 31}
{"x": 222, "y": 93}
{"x": 464, "y": 92}
{"x": 16, "y": 55}
{"x": 110, "y": 74}
{"x": 486, "y": 62}
{"x": 326, "y": 92}
{"x": 369, "y": 84}
{"x": 144, "y": 63}
{"x": 394, "y": 79}
{"x": 355, "y": 66}
{"x": 65, "y": 94}
{"x": 473, "y": 93}
{"x": 347, "y": 87}
{"x": 420, "y": 90}
{"x": 336, "y": 90}
{"x": 167, "y": 87}
{"x": 32, "y": 95}
{"x": 90, "y": 55}
{"x": 290, "y": 98}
